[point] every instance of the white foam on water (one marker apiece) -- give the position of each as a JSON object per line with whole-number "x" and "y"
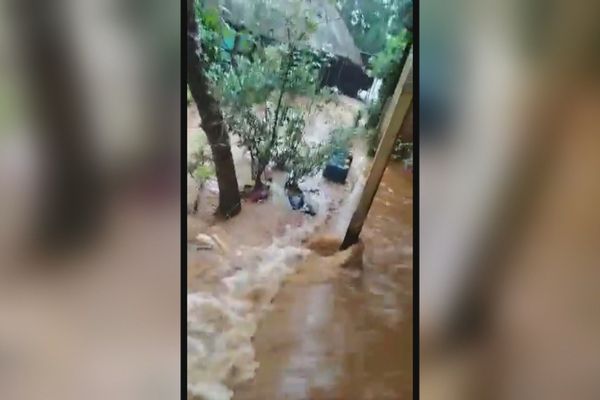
{"x": 221, "y": 324}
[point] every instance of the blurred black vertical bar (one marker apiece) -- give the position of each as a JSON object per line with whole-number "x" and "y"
{"x": 490, "y": 263}
{"x": 416, "y": 118}
{"x": 184, "y": 265}
{"x": 71, "y": 203}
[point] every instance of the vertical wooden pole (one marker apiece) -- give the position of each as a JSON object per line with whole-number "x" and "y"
{"x": 390, "y": 128}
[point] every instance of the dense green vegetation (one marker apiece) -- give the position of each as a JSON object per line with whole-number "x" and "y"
{"x": 256, "y": 79}
{"x": 382, "y": 31}
{"x": 371, "y": 22}
{"x": 387, "y": 66}
{"x": 257, "y": 89}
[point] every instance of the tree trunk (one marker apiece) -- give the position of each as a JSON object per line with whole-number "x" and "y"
{"x": 212, "y": 122}
{"x": 72, "y": 189}
{"x": 258, "y": 183}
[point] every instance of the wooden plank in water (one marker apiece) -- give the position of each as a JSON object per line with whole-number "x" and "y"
{"x": 390, "y": 127}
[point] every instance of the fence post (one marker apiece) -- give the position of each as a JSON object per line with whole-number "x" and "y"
{"x": 390, "y": 127}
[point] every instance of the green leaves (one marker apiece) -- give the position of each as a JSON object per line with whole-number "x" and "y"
{"x": 311, "y": 25}
{"x": 250, "y": 78}
{"x": 388, "y": 60}
{"x": 203, "y": 172}
{"x": 251, "y": 82}
{"x": 211, "y": 19}
{"x": 371, "y": 21}
{"x": 198, "y": 164}
{"x": 386, "y": 66}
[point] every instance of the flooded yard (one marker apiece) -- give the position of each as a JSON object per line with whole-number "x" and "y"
{"x": 268, "y": 318}
{"x": 349, "y": 336}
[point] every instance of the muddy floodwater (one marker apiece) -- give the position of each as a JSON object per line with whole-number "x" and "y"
{"x": 269, "y": 318}
{"x": 349, "y": 337}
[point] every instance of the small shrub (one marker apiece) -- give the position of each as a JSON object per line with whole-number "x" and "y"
{"x": 256, "y": 91}
{"x": 203, "y": 172}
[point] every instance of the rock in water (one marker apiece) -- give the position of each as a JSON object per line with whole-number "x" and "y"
{"x": 205, "y": 242}
{"x": 211, "y": 241}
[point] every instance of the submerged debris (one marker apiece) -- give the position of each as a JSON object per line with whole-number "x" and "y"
{"x": 222, "y": 323}
{"x": 210, "y": 242}
{"x": 259, "y": 195}
{"x": 204, "y": 242}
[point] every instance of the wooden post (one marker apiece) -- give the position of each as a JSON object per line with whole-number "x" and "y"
{"x": 390, "y": 127}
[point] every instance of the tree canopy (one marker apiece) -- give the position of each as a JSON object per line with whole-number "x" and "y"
{"x": 371, "y": 21}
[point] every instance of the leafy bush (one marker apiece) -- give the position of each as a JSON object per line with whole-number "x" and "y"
{"x": 386, "y": 65}
{"x": 371, "y": 22}
{"x": 199, "y": 166}
{"x": 388, "y": 60}
{"x": 199, "y": 163}
{"x": 256, "y": 91}
{"x": 203, "y": 172}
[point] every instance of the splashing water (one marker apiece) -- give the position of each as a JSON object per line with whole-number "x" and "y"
{"x": 221, "y": 324}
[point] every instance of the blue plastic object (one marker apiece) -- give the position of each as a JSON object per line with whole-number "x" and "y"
{"x": 338, "y": 166}
{"x": 296, "y": 200}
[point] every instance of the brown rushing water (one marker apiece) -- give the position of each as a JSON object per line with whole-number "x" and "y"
{"x": 331, "y": 333}
{"x": 349, "y": 337}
